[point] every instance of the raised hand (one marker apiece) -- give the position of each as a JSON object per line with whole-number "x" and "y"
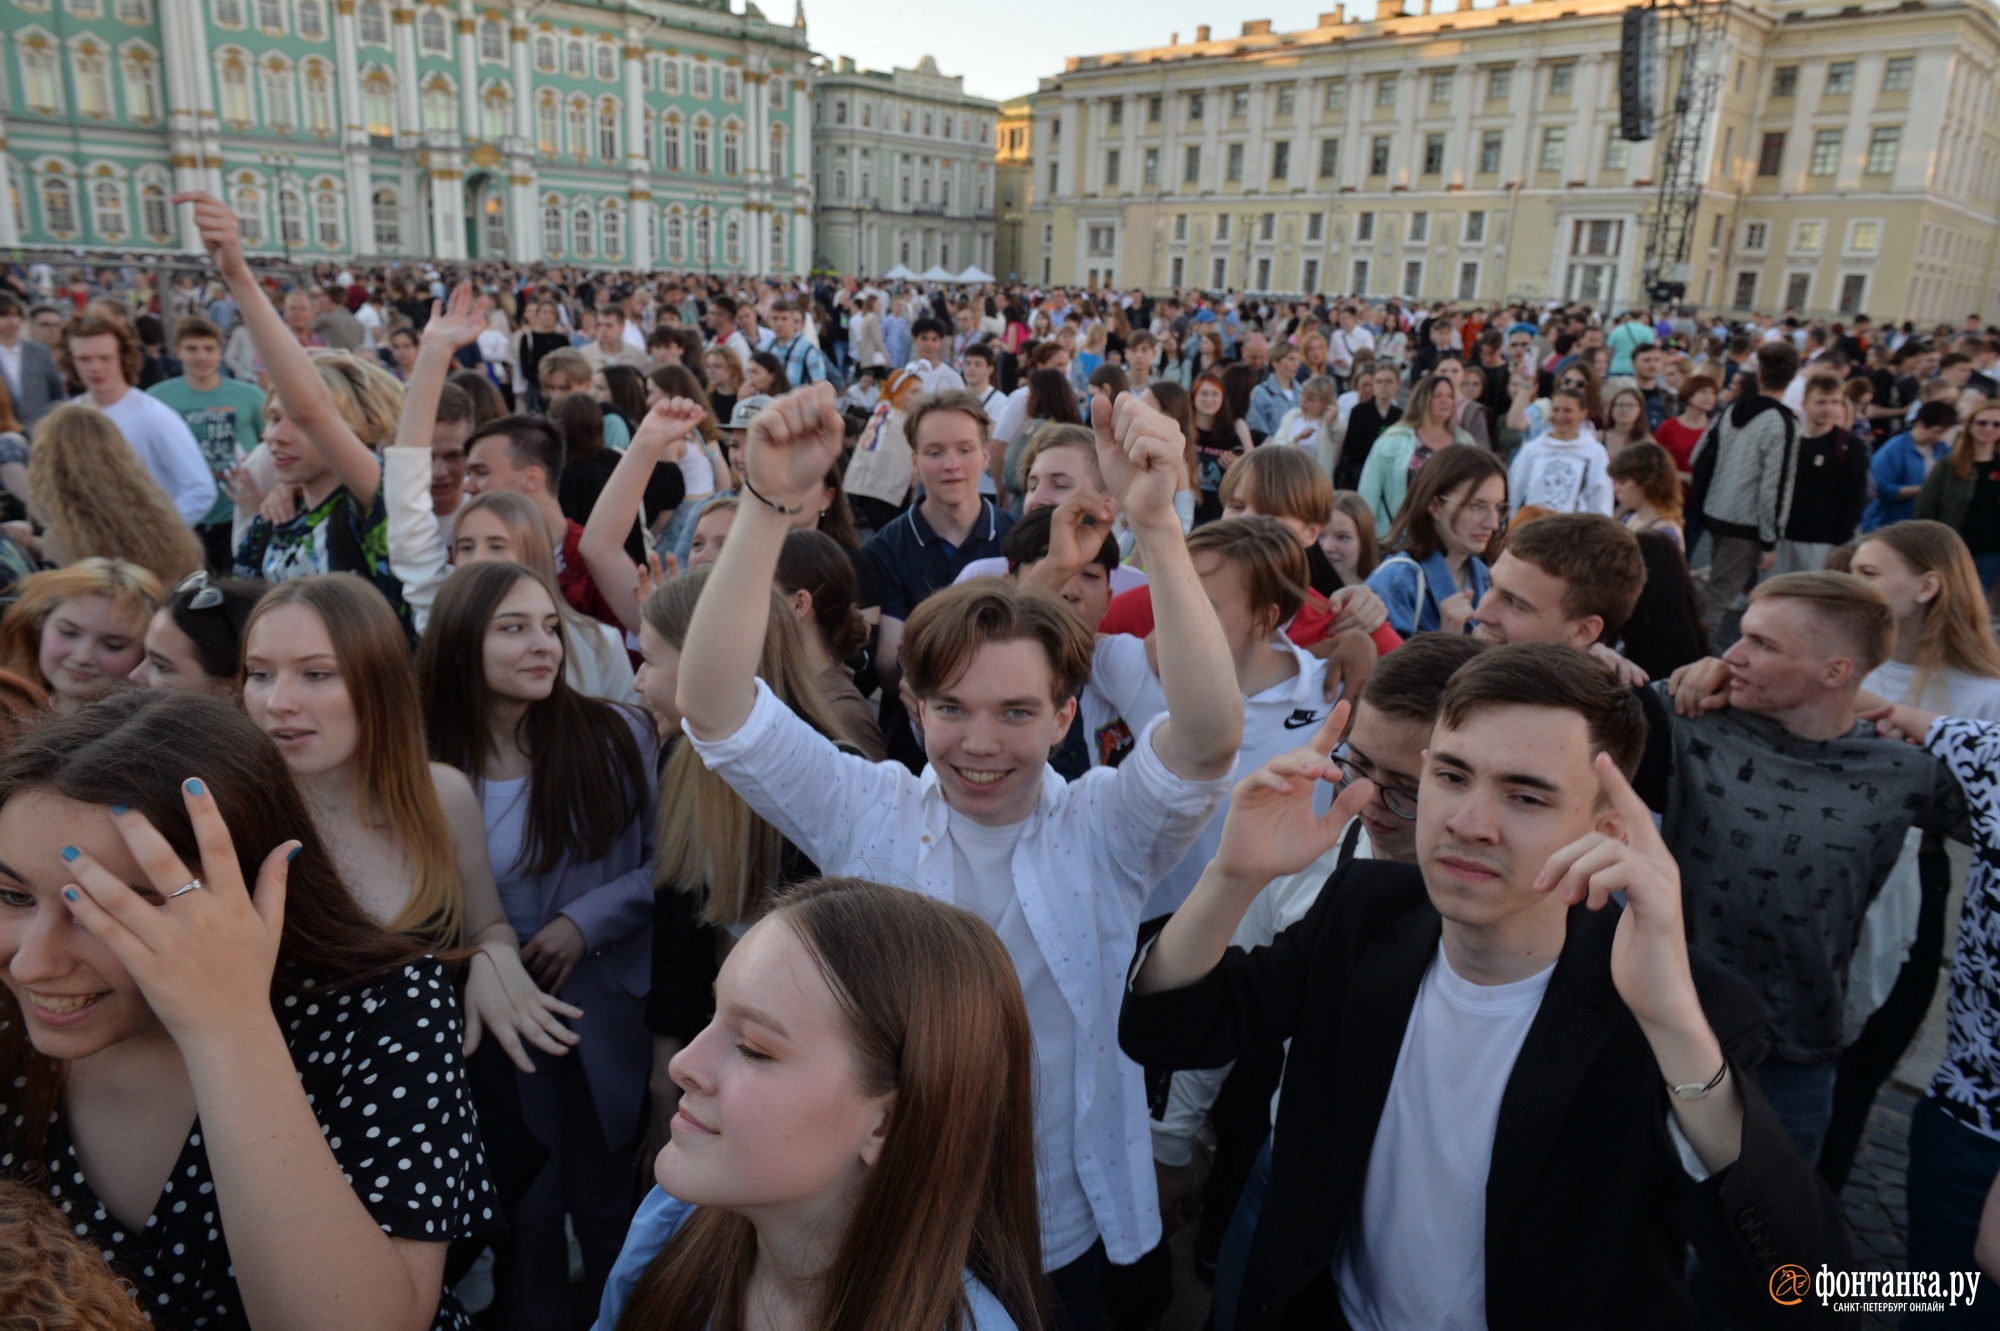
{"x": 1142, "y": 454}
{"x": 458, "y": 322}
{"x": 203, "y": 959}
{"x": 667, "y": 427}
{"x": 220, "y": 229}
{"x": 1271, "y": 829}
{"x": 793, "y": 443}
{"x": 1649, "y": 956}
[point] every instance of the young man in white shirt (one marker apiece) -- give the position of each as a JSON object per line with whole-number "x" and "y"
{"x": 610, "y": 347}
{"x": 1059, "y": 869}
{"x": 721, "y": 321}
{"x": 976, "y": 366}
{"x": 105, "y": 358}
{"x": 932, "y": 365}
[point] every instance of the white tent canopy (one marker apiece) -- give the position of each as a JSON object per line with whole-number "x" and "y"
{"x": 900, "y": 273}
{"x": 936, "y": 273}
{"x": 975, "y": 274}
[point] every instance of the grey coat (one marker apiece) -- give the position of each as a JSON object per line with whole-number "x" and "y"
{"x": 41, "y": 387}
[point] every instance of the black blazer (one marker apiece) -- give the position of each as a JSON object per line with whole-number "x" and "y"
{"x": 1588, "y": 1210}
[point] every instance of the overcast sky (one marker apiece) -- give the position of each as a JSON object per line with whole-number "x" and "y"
{"x": 1003, "y": 46}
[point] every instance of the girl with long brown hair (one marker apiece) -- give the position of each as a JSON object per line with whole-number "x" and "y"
{"x": 703, "y": 468}
{"x": 79, "y": 632}
{"x": 326, "y": 674}
{"x": 1454, "y": 509}
{"x": 1405, "y": 448}
{"x": 95, "y": 497}
{"x": 562, "y": 787}
{"x": 854, "y": 1148}
{"x": 192, "y": 1023}
{"x": 1173, "y": 399}
{"x": 1944, "y": 658}
{"x": 1220, "y": 437}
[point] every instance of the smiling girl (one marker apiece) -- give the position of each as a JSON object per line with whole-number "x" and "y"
{"x": 79, "y": 631}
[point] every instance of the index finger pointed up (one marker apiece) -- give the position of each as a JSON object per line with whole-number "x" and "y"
{"x": 1328, "y": 738}
{"x": 1640, "y": 833}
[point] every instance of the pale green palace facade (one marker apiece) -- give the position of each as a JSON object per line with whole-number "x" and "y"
{"x": 629, "y": 133}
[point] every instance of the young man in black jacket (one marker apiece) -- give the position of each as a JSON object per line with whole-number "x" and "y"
{"x": 1829, "y": 484}
{"x": 1506, "y": 1103}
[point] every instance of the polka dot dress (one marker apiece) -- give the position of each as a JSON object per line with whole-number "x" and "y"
{"x": 381, "y": 1067}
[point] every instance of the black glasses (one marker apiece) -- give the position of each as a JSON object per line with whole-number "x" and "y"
{"x": 1402, "y": 803}
{"x": 205, "y": 597}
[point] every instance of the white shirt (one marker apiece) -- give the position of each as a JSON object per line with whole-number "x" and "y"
{"x": 1012, "y": 416}
{"x": 164, "y": 443}
{"x": 10, "y": 365}
{"x": 983, "y": 858}
{"x": 1418, "y": 1256}
{"x": 1564, "y": 476}
{"x": 1082, "y": 866}
{"x": 936, "y": 378}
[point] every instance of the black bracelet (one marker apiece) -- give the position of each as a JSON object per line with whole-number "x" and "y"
{"x": 752, "y": 492}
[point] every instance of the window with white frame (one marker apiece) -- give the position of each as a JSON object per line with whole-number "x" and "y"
{"x": 670, "y": 77}
{"x": 1219, "y": 272}
{"x": 1840, "y": 78}
{"x": 41, "y": 78}
{"x": 433, "y": 33}
{"x": 1555, "y": 142}
{"x": 676, "y": 237}
{"x": 142, "y": 85}
{"x": 1864, "y": 237}
{"x": 1884, "y": 143}
{"x": 90, "y": 66}
{"x": 576, "y": 63}
{"x": 1562, "y": 79}
{"x": 271, "y": 17}
{"x": 1617, "y": 150}
{"x": 1441, "y": 87}
{"x": 732, "y": 86}
{"x": 496, "y": 112}
{"x": 235, "y": 81}
{"x": 1475, "y": 226}
{"x": 388, "y": 215}
{"x": 582, "y": 230}
{"x": 779, "y": 259}
{"x": 703, "y": 146}
{"x": 229, "y": 14}
{"x": 108, "y": 214}
{"x": 732, "y": 243}
{"x": 607, "y": 129}
{"x": 552, "y": 226}
{"x": 1334, "y": 96}
{"x": 1468, "y": 280}
{"x": 1359, "y": 284}
{"x": 698, "y": 80}
{"x": 1756, "y": 235}
{"x": 612, "y": 224}
{"x": 58, "y": 202}
{"x": 1825, "y": 153}
{"x": 1364, "y": 227}
{"x": 778, "y": 170}
{"x": 777, "y": 93}
{"x": 545, "y": 53}
{"x": 732, "y": 149}
{"x": 578, "y": 127}
{"x": 1413, "y": 278}
{"x": 156, "y": 214}
{"x": 249, "y": 206}
{"x": 279, "y": 103}
{"x": 291, "y": 216}
{"x": 134, "y": 11}
{"x": 1808, "y": 237}
{"x": 312, "y": 20}
{"x": 378, "y": 103}
{"x": 1899, "y": 73}
{"x": 1499, "y": 84}
{"x": 1098, "y": 240}
{"x": 1385, "y": 91}
{"x": 1420, "y": 227}
{"x": 492, "y": 40}
{"x": 670, "y": 142}
{"x": 547, "y": 126}
{"x": 1315, "y": 227}
{"x": 371, "y": 23}
{"x": 606, "y": 60}
{"x": 326, "y": 217}
{"x": 1222, "y": 221}
{"x": 440, "y": 105}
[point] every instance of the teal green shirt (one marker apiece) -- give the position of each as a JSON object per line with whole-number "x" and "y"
{"x": 227, "y": 420}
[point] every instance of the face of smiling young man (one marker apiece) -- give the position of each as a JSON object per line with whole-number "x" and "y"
{"x": 989, "y": 732}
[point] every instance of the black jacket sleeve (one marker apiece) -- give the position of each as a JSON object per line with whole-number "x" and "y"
{"x": 686, "y": 960}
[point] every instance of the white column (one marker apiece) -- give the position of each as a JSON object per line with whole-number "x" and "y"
{"x": 524, "y": 77}
{"x": 641, "y": 214}
{"x": 354, "y": 152}
{"x": 409, "y": 109}
{"x": 1580, "y": 162}
{"x": 1517, "y": 160}
{"x": 468, "y": 72}
{"x": 191, "y": 121}
{"x": 524, "y": 217}
{"x": 446, "y": 183}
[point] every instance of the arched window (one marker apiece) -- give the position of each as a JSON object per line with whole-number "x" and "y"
{"x": 433, "y": 34}
{"x": 698, "y": 81}
{"x": 778, "y": 171}
{"x": 552, "y": 228}
{"x": 93, "y": 80}
{"x": 319, "y": 98}
{"x": 778, "y": 258}
{"x": 732, "y": 150}
{"x": 236, "y": 90}
{"x": 312, "y": 20}
{"x": 388, "y": 216}
{"x": 670, "y": 143}
{"x": 573, "y": 59}
{"x": 676, "y": 238}
{"x": 607, "y": 61}
{"x": 291, "y": 216}
{"x": 326, "y": 217}
{"x": 280, "y": 111}
{"x": 271, "y": 17}
{"x": 607, "y": 129}
{"x": 545, "y": 53}
{"x": 777, "y": 92}
{"x": 58, "y": 206}
{"x": 492, "y": 40}
{"x": 732, "y": 243}
{"x": 614, "y": 230}
{"x": 440, "y": 106}
{"x": 703, "y": 244}
{"x": 249, "y": 205}
{"x": 142, "y": 86}
{"x": 545, "y": 124}
{"x": 701, "y": 147}
{"x": 580, "y": 228}
{"x": 107, "y": 210}
{"x": 135, "y": 11}
{"x": 41, "y": 80}
{"x": 670, "y": 77}
{"x": 378, "y": 103}
{"x": 840, "y": 186}
{"x": 156, "y": 215}
{"x": 731, "y": 86}
{"x": 496, "y": 113}
{"x": 372, "y": 22}
{"x": 579, "y": 126}
{"x": 229, "y": 13}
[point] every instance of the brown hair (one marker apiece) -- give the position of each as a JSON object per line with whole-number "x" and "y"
{"x": 135, "y": 748}
{"x": 948, "y": 629}
{"x": 9, "y": 422}
{"x": 133, "y": 592}
{"x": 1651, "y": 468}
{"x": 1596, "y": 558}
{"x": 1280, "y": 482}
{"x": 934, "y": 1013}
{"x": 1956, "y": 634}
{"x": 950, "y": 400}
{"x": 568, "y": 362}
{"x": 373, "y": 654}
{"x": 680, "y": 381}
{"x": 1363, "y": 517}
{"x": 1452, "y": 467}
{"x": 195, "y": 326}
{"x": 98, "y": 498}
{"x": 1961, "y": 458}
{"x": 1856, "y": 608}
{"x": 1408, "y": 682}
{"x": 1535, "y": 674}
{"x": 131, "y": 356}
{"x": 812, "y": 561}
{"x": 581, "y": 423}
{"x": 52, "y": 1279}
{"x": 1176, "y": 402}
{"x": 589, "y": 779}
{"x": 1275, "y": 575}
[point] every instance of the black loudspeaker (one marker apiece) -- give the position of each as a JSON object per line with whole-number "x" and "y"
{"x": 1638, "y": 73}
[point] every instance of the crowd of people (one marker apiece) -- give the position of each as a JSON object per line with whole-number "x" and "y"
{"x": 533, "y": 796}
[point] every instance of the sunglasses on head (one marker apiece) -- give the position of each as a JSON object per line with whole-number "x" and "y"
{"x": 206, "y": 597}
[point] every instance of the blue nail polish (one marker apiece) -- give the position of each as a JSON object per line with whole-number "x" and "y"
{"x": 69, "y": 894}
{"x": 293, "y": 853}
{"x": 121, "y": 808}
{"x": 194, "y": 786}
{"x": 71, "y": 852}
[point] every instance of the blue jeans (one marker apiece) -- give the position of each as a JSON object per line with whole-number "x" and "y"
{"x": 1989, "y": 568}
{"x": 1951, "y": 1167}
{"x": 1234, "y": 1258}
{"x": 1801, "y": 1095}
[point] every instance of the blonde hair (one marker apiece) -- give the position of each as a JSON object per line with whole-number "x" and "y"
{"x": 709, "y": 842}
{"x": 1853, "y": 603}
{"x": 134, "y": 593}
{"x": 97, "y": 498}
{"x": 534, "y": 552}
{"x": 367, "y": 396}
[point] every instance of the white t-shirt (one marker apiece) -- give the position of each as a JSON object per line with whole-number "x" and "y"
{"x": 983, "y": 861}
{"x": 164, "y": 443}
{"x": 1951, "y": 692}
{"x": 1418, "y": 1255}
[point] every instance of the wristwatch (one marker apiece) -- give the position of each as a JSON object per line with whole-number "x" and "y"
{"x": 1695, "y": 1090}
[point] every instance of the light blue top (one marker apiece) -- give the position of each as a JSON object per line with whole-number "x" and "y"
{"x": 1411, "y": 591}
{"x": 660, "y": 1218}
{"x": 1897, "y": 463}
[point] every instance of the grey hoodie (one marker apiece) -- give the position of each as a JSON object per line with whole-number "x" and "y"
{"x": 1743, "y": 470}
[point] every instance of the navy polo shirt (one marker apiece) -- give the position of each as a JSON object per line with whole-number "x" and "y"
{"x": 912, "y": 561}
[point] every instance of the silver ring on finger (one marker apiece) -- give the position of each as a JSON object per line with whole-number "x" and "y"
{"x": 191, "y": 885}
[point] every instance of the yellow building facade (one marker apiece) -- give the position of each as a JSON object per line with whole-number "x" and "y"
{"x": 1013, "y": 179}
{"x": 1851, "y": 162}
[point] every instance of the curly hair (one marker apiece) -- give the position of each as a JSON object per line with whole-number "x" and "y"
{"x": 52, "y": 1280}
{"x": 97, "y": 498}
{"x": 131, "y": 356}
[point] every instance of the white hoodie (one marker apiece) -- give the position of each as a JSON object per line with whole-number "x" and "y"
{"x": 1562, "y": 476}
